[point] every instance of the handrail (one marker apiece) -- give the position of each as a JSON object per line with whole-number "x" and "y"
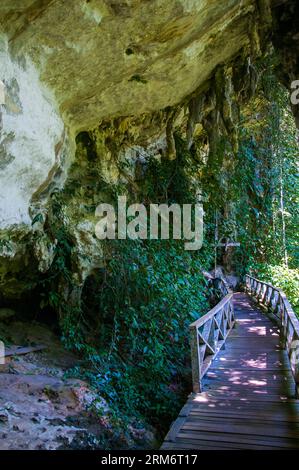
{"x": 211, "y": 313}
{"x": 208, "y": 335}
{"x": 224, "y": 287}
{"x": 276, "y": 302}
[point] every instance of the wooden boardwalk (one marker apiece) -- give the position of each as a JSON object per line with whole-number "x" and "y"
{"x": 248, "y": 393}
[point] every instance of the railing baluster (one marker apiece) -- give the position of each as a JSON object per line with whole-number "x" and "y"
{"x": 274, "y": 298}
{"x": 284, "y": 329}
{"x": 263, "y": 292}
{"x": 195, "y": 359}
{"x": 271, "y": 290}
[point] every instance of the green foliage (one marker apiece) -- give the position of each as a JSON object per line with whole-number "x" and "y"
{"x": 53, "y": 284}
{"x": 150, "y": 294}
{"x": 38, "y": 218}
{"x": 172, "y": 181}
{"x": 285, "y": 278}
{"x": 132, "y": 326}
{"x": 5, "y": 244}
{"x": 262, "y": 186}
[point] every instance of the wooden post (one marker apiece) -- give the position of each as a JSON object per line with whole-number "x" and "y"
{"x": 295, "y": 366}
{"x": 272, "y": 301}
{"x": 248, "y": 284}
{"x": 233, "y": 314}
{"x": 268, "y": 296}
{"x": 195, "y": 360}
{"x": 283, "y": 327}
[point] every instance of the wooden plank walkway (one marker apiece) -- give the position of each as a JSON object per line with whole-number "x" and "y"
{"x": 248, "y": 399}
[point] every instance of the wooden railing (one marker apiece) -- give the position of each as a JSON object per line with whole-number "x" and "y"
{"x": 277, "y": 304}
{"x": 224, "y": 287}
{"x": 208, "y": 335}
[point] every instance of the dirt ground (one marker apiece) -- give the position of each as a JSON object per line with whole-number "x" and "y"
{"x": 43, "y": 407}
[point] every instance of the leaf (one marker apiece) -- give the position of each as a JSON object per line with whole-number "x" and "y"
{"x": 38, "y": 218}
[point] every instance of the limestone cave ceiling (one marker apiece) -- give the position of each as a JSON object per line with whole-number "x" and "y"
{"x": 104, "y": 58}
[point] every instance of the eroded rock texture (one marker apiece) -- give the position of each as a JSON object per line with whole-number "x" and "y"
{"x": 286, "y": 40}
{"x": 122, "y": 74}
{"x": 108, "y": 58}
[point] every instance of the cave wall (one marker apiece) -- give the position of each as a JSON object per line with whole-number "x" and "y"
{"x": 286, "y": 42}
{"x": 30, "y": 130}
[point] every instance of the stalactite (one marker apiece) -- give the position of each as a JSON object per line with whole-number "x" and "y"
{"x": 171, "y": 150}
{"x": 264, "y": 7}
{"x": 226, "y": 103}
{"x": 196, "y": 111}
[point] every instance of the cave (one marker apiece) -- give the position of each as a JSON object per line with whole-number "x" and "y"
{"x": 163, "y": 102}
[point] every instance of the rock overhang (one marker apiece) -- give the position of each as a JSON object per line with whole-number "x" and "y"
{"x": 103, "y": 59}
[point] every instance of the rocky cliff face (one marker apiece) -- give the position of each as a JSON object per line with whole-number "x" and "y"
{"x": 103, "y": 59}
{"x": 119, "y": 76}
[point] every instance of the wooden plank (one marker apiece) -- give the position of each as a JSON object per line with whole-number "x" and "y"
{"x": 181, "y": 444}
{"x": 248, "y": 387}
{"x": 248, "y": 428}
{"x": 246, "y": 354}
{"x": 252, "y": 415}
{"x": 253, "y": 363}
{"x": 238, "y": 418}
{"x": 248, "y": 439}
{"x": 258, "y": 325}
{"x": 248, "y": 366}
{"x": 257, "y": 374}
{"x": 252, "y": 396}
{"x": 175, "y": 428}
{"x": 239, "y": 382}
{"x": 249, "y": 397}
{"x": 204, "y": 444}
{"x": 251, "y": 343}
{"x": 214, "y": 404}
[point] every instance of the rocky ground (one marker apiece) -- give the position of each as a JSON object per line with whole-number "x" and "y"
{"x": 43, "y": 407}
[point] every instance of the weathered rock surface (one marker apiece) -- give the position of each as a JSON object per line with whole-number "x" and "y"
{"x": 43, "y": 407}
{"x": 105, "y": 58}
